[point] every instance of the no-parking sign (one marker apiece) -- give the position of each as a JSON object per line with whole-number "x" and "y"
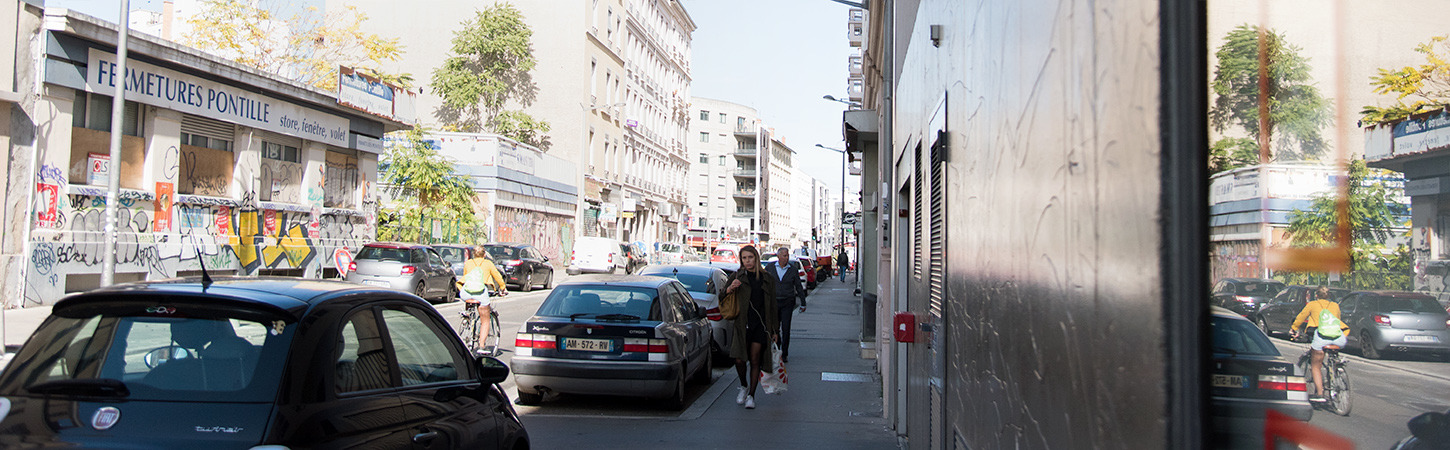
{"x": 343, "y": 259}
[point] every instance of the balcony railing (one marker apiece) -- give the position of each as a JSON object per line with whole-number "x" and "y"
{"x": 745, "y": 151}
{"x": 745, "y": 193}
{"x": 745, "y": 172}
{"x": 745, "y": 129}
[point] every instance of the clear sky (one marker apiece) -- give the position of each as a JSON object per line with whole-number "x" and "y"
{"x": 777, "y": 56}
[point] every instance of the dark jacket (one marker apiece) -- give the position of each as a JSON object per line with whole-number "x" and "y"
{"x": 788, "y": 288}
{"x": 739, "y": 349}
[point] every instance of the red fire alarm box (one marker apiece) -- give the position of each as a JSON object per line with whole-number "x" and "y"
{"x": 905, "y": 327}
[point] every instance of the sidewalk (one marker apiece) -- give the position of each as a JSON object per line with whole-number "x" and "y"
{"x": 834, "y": 400}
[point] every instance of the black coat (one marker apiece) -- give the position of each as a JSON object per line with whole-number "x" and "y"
{"x": 791, "y": 283}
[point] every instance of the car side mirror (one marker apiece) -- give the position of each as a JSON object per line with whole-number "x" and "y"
{"x": 491, "y": 370}
{"x": 700, "y": 311}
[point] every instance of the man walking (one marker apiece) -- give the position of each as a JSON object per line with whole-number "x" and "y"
{"x": 787, "y": 290}
{"x": 841, "y": 261}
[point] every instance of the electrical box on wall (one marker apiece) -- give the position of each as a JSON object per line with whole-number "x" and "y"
{"x": 904, "y": 327}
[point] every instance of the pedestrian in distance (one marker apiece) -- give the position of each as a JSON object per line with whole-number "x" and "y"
{"x": 756, "y": 326}
{"x": 485, "y": 277}
{"x": 841, "y": 261}
{"x": 788, "y": 289}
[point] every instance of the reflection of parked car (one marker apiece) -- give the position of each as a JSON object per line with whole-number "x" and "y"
{"x": 726, "y": 253}
{"x": 613, "y": 335}
{"x": 412, "y": 268}
{"x": 1388, "y": 321}
{"x": 522, "y": 265}
{"x": 636, "y": 257}
{"x": 676, "y": 254}
{"x": 1278, "y": 314}
{"x": 455, "y": 255}
{"x": 1244, "y": 295}
{"x": 1248, "y": 377}
{"x": 705, "y": 284}
{"x": 596, "y": 255}
{"x": 728, "y": 267}
{"x": 252, "y": 362}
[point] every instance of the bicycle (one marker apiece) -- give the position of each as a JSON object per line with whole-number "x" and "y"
{"x": 469, "y": 328}
{"x": 1336, "y": 391}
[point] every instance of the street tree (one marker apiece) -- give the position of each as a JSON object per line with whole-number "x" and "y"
{"x": 1372, "y": 222}
{"x": 1296, "y": 110}
{"x": 1232, "y": 153}
{"x": 307, "y": 46}
{"x": 1428, "y": 84}
{"x": 487, "y": 69}
{"x": 423, "y": 188}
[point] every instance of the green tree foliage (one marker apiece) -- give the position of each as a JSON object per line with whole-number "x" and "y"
{"x": 1297, "y": 111}
{"x": 487, "y": 67}
{"x": 1372, "y": 222}
{"x": 1427, "y": 84}
{"x": 424, "y": 188}
{"x": 1232, "y": 153}
{"x": 307, "y": 47}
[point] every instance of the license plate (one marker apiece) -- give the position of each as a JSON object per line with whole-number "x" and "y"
{"x": 1232, "y": 381}
{"x": 588, "y": 345}
{"x": 378, "y": 283}
{"x": 1420, "y": 338}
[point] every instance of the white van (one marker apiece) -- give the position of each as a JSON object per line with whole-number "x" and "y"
{"x": 596, "y": 255}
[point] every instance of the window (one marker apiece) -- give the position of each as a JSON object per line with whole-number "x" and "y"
{"x": 704, "y": 159}
{"x": 722, "y": 160}
{"x": 93, "y": 112}
{"x": 206, "y": 156}
{"x": 722, "y": 117}
{"x": 91, "y": 134}
{"x": 704, "y": 115}
{"x": 704, "y": 137}
{"x": 280, "y": 152}
{"x": 422, "y": 351}
{"x": 340, "y": 187}
{"x": 362, "y": 362}
{"x": 740, "y": 123}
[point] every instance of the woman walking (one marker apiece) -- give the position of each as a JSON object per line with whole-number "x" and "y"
{"x": 755, "y": 327}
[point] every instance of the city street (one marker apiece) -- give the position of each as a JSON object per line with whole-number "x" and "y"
{"x": 1386, "y": 394}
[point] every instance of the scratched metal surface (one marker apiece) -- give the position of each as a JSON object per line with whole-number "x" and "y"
{"x": 1053, "y": 335}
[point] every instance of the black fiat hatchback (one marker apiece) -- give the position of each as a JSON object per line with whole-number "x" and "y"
{"x": 252, "y": 362}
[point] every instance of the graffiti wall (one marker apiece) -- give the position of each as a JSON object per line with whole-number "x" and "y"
{"x": 159, "y": 238}
{"x": 551, "y": 234}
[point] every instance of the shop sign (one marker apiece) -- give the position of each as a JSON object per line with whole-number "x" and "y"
{"x": 98, "y": 169}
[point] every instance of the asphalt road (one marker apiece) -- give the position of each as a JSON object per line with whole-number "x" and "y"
{"x": 1386, "y": 394}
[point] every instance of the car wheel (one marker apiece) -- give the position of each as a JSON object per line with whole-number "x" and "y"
{"x": 526, "y": 283}
{"x": 1366, "y": 346}
{"x": 677, "y": 400}
{"x": 452, "y": 292}
{"x": 1264, "y": 327}
{"x": 549, "y": 282}
{"x": 421, "y": 290}
{"x": 528, "y": 399}
{"x": 703, "y": 375}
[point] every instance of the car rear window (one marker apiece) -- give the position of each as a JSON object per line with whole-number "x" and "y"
{"x": 670, "y": 248}
{"x": 692, "y": 282}
{"x": 1259, "y": 289}
{"x": 1408, "y": 304}
{"x": 159, "y": 350}
{"x": 452, "y": 254}
{"x": 1240, "y": 337}
{"x": 725, "y": 252}
{"x": 383, "y": 254}
{"x": 593, "y": 301}
{"x": 501, "y": 252}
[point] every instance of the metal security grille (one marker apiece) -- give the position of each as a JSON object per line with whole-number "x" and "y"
{"x": 208, "y": 127}
{"x": 918, "y": 240}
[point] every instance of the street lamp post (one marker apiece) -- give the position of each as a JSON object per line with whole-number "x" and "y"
{"x": 845, "y": 171}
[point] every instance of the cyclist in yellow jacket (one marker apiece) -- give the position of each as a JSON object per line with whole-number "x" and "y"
{"x": 1311, "y": 316}
{"x": 491, "y": 278}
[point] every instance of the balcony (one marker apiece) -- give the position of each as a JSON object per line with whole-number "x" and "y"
{"x": 743, "y": 213}
{"x": 746, "y": 173}
{"x": 745, "y": 151}
{"x": 745, "y": 193}
{"x": 745, "y": 129}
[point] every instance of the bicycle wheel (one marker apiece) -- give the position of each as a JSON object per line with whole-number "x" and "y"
{"x": 468, "y": 330}
{"x": 490, "y": 344}
{"x": 1339, "y": 391}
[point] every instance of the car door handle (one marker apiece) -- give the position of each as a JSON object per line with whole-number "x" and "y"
{"x": 425, "y": 437}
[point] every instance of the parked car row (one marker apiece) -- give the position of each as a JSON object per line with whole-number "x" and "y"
{"x": 431, "y": 271}
{"x": 606, "y": 255}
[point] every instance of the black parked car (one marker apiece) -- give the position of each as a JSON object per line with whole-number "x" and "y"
{"x": 639, "y": 336}
{"x": 251, "y": 363}
{"x": 1278, "y": 314}
{"x": 1249, "y": 376}
{"x": 522, "y": 265}
{"x": 1244, "y": 295}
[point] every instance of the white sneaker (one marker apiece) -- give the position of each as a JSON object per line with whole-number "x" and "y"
{"x": 740, "y": 398}
{"x": 750, "y": 402}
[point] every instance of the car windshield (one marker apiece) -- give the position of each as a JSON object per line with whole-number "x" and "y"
{"x": 725, "y": 252}
{"x": 452, "y": 255}
{"x": 1409, "y": 304}
{"x": 692, "y": 282}
{"x": 156, "y": 351}
{"x": 1240, "y": 337}
{"x": 591, "y": 301}
{"x": 1259, "y": 289}
{"x": 502, "y": 252}
{"x": 383, "y": 254}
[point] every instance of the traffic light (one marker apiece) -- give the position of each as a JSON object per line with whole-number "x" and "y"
{"x": 813, "y": 235}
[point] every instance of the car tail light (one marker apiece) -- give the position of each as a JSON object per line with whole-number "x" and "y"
{"x": 714, "y": 314}
{"x": 514, "y": 262}
{"x": 408, "y": 269}
{"x": 1383, "y": 319}
{"x": 1281, "y": 383}
{"x": 352, "y": 267}
{"x": 1244, "y": 299}
{"x": 543, "y": 341}
{"x": 646, "y": 345}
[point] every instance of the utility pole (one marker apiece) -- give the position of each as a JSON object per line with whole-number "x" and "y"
{"x": 113, "y": 180}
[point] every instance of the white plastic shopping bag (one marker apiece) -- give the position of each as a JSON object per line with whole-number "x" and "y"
{"x": 775, "y": 382}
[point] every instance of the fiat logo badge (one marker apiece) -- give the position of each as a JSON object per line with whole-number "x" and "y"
{"x": 105, "y": 418}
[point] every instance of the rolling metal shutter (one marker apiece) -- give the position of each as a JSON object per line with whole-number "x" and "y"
{"x": 208, "y": 127}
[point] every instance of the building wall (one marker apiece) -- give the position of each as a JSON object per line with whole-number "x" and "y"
{"x": 20, "y": 22}
{"x": 731, "y": 145}
{"x": 1049, "y": 259}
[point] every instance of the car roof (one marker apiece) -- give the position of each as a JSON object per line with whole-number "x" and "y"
{"x": 617, "y": 280}
{"x": 1398, "y": 294}
{"x": 1219, "y": 311}
{"x": 694, "y": 269}
{"x": 508, "y": 244}
{"x": 1253, "y": 280}
{"x": 289, "y": 295}
{"x": 406, "y": 245}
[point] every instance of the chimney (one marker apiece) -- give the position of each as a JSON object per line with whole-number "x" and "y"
{"x": 168, "y": 13}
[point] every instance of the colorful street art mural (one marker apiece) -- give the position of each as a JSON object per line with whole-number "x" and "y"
{"x": 551, "y": 234}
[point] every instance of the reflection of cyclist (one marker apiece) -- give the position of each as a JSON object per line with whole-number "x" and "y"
{"x": 480, "y": 277}
{"x": 1319, "y": 312}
